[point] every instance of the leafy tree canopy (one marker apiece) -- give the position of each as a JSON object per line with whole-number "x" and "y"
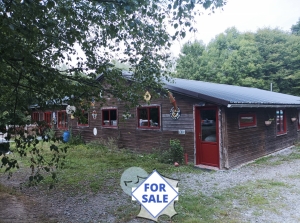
{"x": 245, "y": 59}
{"x": 37, "y": 36}
{"x": 296, "y": 28}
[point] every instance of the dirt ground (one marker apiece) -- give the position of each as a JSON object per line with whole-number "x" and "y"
{"x": 64, "y": 206}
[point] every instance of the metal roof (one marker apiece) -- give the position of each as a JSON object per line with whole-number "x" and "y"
{"x": 230, "y": 95}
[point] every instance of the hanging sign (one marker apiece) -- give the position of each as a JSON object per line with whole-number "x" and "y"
{"x": 175, "y": 113}
{"x": 94, "y": 114}
{"x": 147, "y": 96}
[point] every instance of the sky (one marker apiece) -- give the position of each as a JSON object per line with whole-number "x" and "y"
{"x": 245, "y": 15}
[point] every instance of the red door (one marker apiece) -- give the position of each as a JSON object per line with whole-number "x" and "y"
{"x": 206, "y": 135}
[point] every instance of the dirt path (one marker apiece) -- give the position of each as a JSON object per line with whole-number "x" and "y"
{"x": 40, "y": 205}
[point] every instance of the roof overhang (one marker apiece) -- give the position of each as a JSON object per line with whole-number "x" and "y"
{"x": 197, "y": 95}
{"x": 263, "y": 106}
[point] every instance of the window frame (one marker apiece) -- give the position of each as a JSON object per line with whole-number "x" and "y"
{"x": 148, "y": 111}
{"x": 284, "y": 123}
{"x": 59, "y": 126}
{"x": 33, "y": 117}
{"x": 47, "y": 115}
{"x": 110, "y": 123}
{"x": 88, "y": 119}
{"x": 247, "y": 125}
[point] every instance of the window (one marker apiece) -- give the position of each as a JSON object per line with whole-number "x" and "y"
{"x": 62, "y": 120}
{"x": 109, "y": 118}
{"x": 35, "y": 117}
{"x": 83, "y": 120}
{"x": 47, "y": 118}
{"x": 247, "y": 120}
{"x": 148, "y": 117}
{"x": 280, "y": 122}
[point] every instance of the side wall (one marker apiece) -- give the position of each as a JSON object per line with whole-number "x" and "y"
{"x": 247, "y": 144}
{"x": 144, "y": 140}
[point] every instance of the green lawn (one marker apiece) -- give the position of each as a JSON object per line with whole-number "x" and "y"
{"x": 98, "y": 168}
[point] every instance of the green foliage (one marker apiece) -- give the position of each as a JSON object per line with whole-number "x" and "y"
{"x": 173, "y": 154}
{"x": 296, "y": 28}
{"x": 52, "y": 51}
{"x": 245, "y": 59}
{"x": 75, "y": 139}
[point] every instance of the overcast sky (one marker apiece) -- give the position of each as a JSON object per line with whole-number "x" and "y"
{"x": 245, "y": 15}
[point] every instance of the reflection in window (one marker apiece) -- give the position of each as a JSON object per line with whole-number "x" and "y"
{"x": 48, "y": 118}
{"x": 109, "y": 117}
{"x": 247, "y": 120}
{"x": 62, "y": 120}
{"x": 35, "y": 117}
{"x": 208, "y": 125}
{"x": 148, "y": 117}
{"x": 280, "y": 121}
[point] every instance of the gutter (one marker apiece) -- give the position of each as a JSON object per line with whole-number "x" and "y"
{"x": 263, "y": 105}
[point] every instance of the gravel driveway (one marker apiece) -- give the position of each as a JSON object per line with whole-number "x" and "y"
{"x": 281, "y": 171}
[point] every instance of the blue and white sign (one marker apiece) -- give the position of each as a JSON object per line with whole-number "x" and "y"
{"x": 155, "y": 194}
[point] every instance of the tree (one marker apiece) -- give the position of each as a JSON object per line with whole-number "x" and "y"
{"x": 246, "y": 59}
{"x": 39, "y": 35}
{"x": 296, "y": 28}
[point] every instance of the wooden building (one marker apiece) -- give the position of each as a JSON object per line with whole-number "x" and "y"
{"x": 218, "y": 125}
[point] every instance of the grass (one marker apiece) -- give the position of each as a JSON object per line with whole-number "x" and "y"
{"x": 98, "y": 168}
{"x": 279, "y": 159}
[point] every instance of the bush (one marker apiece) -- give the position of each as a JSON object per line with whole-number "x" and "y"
{"x": 173, "y": 154}
{"x": 76, "y": 140}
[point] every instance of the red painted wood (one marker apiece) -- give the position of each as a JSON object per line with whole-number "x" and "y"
{"x": 207, "y": 153}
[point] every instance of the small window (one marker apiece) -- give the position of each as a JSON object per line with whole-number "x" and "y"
{"x": 62, "y": 122}
{"x": 83, "y": 120}
{"x": 35, "y": 117}
{"x": 247, "y": 120}
{"x": 280, "y": 122}
{"x": 47, "y": 118}
{"x": 109, "y": 118}
{"x": 148, "y": 117}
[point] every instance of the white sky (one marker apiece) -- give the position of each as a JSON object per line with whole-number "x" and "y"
{"x": 245, "y": 15}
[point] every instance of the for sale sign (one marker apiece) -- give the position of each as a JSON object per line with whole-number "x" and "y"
{"x": 155, "y": 194}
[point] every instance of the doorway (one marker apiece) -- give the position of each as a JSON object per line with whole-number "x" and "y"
{"x": 207, "y": 136}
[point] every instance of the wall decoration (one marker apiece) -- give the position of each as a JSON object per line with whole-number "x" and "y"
{"x": 93, "y": 102}
{"x": 175, "y": 113}
{"x": 126, "y": 115}
{"x": 94, "y": 114}
{"x": 70, "y": 109}
{"x": 95, "y": 131}
{"x": 147, "y": 96}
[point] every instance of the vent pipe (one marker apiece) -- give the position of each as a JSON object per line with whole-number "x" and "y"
{"x": 271, "y": 87}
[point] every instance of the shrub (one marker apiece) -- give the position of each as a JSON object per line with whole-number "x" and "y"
{"x": 76, "y": 140}
{"x": 173, "y": 154}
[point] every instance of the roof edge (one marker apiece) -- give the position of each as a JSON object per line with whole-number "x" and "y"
{"x": 197, "y": 95}
{"x": 263, "y": 105}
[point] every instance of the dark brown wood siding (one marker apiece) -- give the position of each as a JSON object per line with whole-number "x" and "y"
{"x": 128, "y": 135}
{"x": 246, "y": 144}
